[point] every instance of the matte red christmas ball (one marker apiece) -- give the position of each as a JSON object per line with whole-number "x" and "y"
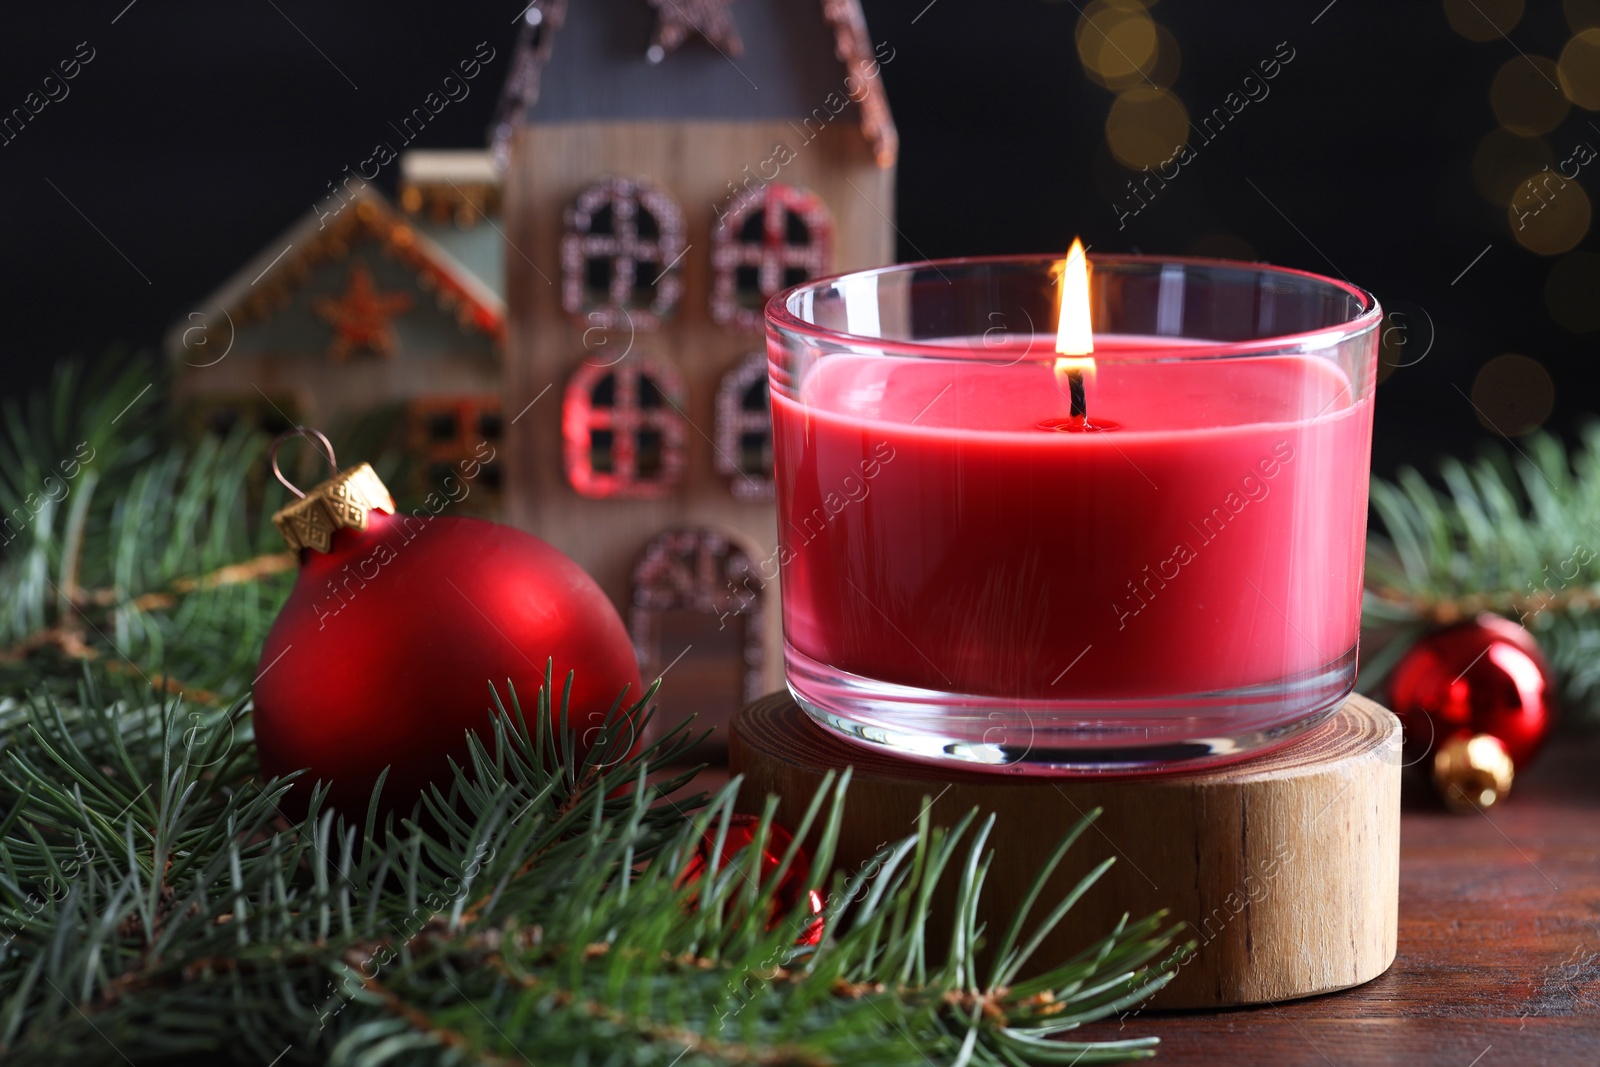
{"x": 1484, "y": 676}
{"x": 741, "y": 835}
{"x": 385, "y": 651}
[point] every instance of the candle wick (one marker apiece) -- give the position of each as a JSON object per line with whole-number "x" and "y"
{"x": 1077, "y": 404}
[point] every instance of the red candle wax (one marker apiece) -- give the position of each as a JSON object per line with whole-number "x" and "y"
{"x": 934, "y": 536}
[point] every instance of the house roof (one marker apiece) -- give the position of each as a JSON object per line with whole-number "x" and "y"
{"x": 449, "y": 166}
{"x": 453, "y": 196}
{"x": 587, "y": 60}
{"x": 264, "y": 283}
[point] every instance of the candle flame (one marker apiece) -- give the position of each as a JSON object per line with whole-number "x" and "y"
{"x": 1074, "y": 336}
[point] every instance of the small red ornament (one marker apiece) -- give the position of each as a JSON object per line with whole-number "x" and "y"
{"x": 397, "y": 625}
{"x": 741, "y": 835}
{"x": 1484, "y": 678}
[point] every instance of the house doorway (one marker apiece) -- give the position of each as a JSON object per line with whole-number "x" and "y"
{"x": 696, "y": 624}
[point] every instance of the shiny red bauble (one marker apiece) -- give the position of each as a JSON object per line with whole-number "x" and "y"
{"x": 741, "y": 835}
{"x": 1485, "y": 676}
{"x": 385, "y": 651}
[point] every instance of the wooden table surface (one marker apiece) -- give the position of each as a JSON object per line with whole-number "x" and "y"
{"x": 1499, "y": 946}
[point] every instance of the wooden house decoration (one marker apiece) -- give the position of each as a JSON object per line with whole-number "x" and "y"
{"x": 669, "y": 166}
{"x": 354, "y": 308}
{"x": 657, "y": 170}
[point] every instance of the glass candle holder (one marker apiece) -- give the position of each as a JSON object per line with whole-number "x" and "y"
{"x": 974, "y": 572}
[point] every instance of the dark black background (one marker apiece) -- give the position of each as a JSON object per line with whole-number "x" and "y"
{"x": 201, "y": 130}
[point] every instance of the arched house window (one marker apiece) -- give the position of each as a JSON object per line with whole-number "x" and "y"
{"x": 770, "y": 239}
{"x": 620, "y": 255}
{"x": 623, "y": 428}
{"x": 744, "y": 429}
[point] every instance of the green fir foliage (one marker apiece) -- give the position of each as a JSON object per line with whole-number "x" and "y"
{"x": 1516, "y": 533}
{"x": 105, "y": 522}
{"x": 157, "y": 905}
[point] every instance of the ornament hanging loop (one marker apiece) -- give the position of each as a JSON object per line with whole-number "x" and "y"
{"x": 300, "y": 431}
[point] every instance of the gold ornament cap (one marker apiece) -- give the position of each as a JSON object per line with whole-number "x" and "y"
{"x": 342, "y": 502}
{"x": 1472, "y": 773}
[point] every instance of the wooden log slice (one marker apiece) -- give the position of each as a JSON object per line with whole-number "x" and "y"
{"x": 1285, "y": 867}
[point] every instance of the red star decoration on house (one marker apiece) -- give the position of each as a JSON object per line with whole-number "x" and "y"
{"x": 676, "y": 19}
{"x": 361, "y": 316}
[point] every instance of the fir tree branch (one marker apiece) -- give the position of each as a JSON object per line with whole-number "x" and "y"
{"x": 162, "y": 907}
{"x": 156, "y": 906}
{"x": 1515, "y": 534}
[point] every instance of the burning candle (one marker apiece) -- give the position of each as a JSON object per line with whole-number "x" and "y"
{"x": 1074, "y": 335}
{"x": 1043, "y": 524}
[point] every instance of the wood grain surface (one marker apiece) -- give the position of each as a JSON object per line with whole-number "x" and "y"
{"x": 1284, "y": 867}
{"x": 1499, "y": 945}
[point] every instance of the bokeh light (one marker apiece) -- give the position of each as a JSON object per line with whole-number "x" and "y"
{"x": 1503, "y": 161}
{"x": 1548, "y": 214}
{"x": 1482, "y": 20}
{"x": 1146, "y": 126}
{"x": 1169, "y": 59}
{"x": 1513, "y": 395}
{"x": 1116, "y": 41}
{"x": 1581, "y": 14}
{"x": 1158, "y": 69}
{"x": 1526, "y": 95}
{"x": 1580, "y": 69}
{"x": 1572, "y": 292}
